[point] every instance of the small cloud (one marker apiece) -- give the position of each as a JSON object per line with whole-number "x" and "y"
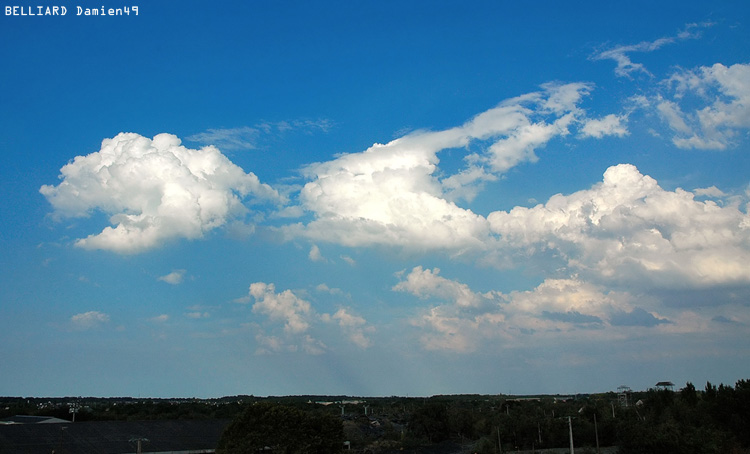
{"x": 251, "y": 137}
{"x": 197, "y": 315}
{"x": 306, "y": 126}
{"x": 323, "y": 288}
{"x": 573, "y": 317}
{"x": 159, "y": 318}
{"x": 174, "y": 278}
{"x": 238, "y": 230}
{"x": 426, "y": 283}
{"x": 313, "y": 346}
{"x": 242, "y": 138}
{"x": 295, "y": 314}
{"x": 621, "y": 54}
{"x": 637, "y": 317}
{"x": 284, "y": 307}
{"x": 348, "y": 260}
{"x": 726, "y": 321}
{"x": 289, "y": 212}
{"x": 88, "y": 320}
{"x": 611, "y": 125}
{"x": 354, "y": 326}
{"x": 247, "y": 299}
{"x": 315, "y": 254}
{"x": 268, "y": 344}
{"x": 713, "y": 191}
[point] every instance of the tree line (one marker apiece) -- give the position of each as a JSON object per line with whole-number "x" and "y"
{"x": 715, "y": 419}
{"x": 712, "y": 421}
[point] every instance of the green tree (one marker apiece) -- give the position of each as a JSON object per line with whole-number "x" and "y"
{"x": 283, "y": 429}
{"x": 689, "y": 394}
{"x": 430, "y": 422}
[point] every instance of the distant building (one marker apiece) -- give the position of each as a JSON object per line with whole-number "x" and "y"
{"x": 665, "y": 385}
{"x": 23, "y": 419}
{"x": 622, "y": 395}
{"x": 111, "y": 437}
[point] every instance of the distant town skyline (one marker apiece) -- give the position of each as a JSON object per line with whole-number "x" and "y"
{"x": 374, "y": 198}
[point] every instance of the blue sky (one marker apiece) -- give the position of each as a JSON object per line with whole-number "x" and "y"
{"x": 374, "y": 198}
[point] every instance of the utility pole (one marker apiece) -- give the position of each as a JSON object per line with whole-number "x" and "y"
{"x": 570, "y": 428}
{"x": 596, "y": 431}
{"x": 74, "y": 409}
{"x": 62, "y": 432}
{"x": 539, "y": 428}
{"x": 138, "y": 441}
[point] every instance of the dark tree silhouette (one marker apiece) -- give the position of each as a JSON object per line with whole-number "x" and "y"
{"x": 282, "y": 430}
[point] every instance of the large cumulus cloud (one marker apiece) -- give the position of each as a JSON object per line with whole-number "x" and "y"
{"x": 557, "y": 308}
{"x": 395, "y": 194}
{"x": 153, "y": 190}
{"x": 628, "y": 229}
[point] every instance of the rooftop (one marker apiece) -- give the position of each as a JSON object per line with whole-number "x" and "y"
{"x": 111, "y": 437}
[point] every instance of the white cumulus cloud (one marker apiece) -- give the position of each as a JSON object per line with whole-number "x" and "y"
{"x": 300, "y": 321}
{"x": 462, "y": 321}
{"x": 354, "y": 326}
{"x": 610, "y": 125}
{"x": 571, "y": 306}
{"x": 154, "y": 190}
{"x": 724, "y": 94}
{"x": 627, "y": 228}
{"x": 88, "y": 320}
{"x": 426, "y": 283}
{"x": 286, "y": 307}
{"x": 443, "y": 329}
{"x": 557, "y": 302}
{"x": 391, "y": 194}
